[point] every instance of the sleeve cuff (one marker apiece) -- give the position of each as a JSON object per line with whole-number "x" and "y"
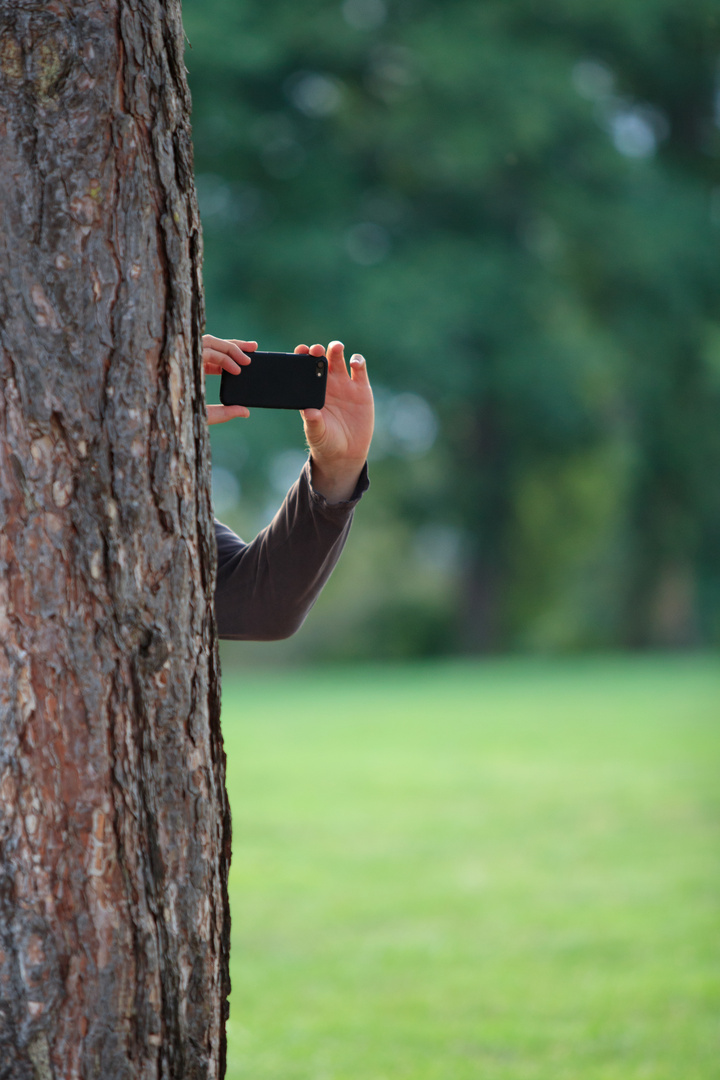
{"x": 339, "y": 509}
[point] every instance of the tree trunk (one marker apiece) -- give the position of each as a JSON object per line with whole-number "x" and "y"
{"x": 114, "y": 834}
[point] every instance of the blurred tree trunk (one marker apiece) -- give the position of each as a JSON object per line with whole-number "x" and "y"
{"x": 669, "y": 513}
{"x": 114, "y": 834}
{"x": 482, "y": 628}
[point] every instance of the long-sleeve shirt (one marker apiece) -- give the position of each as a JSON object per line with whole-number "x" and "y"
{"x": 266, "y": 588}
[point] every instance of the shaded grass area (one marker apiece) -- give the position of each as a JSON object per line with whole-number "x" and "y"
{"x": 505, "y": 870}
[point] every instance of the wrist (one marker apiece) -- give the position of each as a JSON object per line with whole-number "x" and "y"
{"x": 336, "y": 482}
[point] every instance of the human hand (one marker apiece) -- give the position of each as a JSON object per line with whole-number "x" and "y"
{"x": 220, "y": 355}
{"x": 339, "y": 434}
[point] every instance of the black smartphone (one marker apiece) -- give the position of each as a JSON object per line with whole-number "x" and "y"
{"x": 277, "y": 380}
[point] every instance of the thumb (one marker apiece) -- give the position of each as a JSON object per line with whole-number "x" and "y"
{"x": 314, "y": 422}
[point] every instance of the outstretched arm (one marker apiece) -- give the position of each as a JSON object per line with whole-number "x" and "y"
{"x": 266, "y": 588}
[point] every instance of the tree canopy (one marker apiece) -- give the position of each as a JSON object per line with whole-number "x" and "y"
{"x": 513, "y": 210}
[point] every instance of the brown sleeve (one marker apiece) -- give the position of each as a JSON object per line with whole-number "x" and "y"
{"x": 265, "y": 589}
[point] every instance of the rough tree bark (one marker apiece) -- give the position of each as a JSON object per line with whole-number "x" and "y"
{"x": 114, "y": 830}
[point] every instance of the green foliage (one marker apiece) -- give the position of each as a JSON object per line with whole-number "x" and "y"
{"x": 453, "y": 871}
{"x": 510, "y": 209}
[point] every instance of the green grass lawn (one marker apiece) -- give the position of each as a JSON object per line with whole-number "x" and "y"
{"x": 505, "y": 870}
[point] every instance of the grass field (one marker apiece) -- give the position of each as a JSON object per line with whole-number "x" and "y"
{"x": 499, "y": 871}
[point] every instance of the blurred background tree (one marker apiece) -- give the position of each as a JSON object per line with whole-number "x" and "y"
{"x": 513, "y": 210}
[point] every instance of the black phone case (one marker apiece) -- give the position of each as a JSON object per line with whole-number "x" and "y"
{"x": 276, "y": 380}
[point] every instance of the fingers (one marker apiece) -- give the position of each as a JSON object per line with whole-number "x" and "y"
{"x": 336, "y": 361}
{"x": 358, "y": 370}
{"x": 314, "y": 350}
{"x": 216, "y": 362}
{"x": 220, "y": 355}
{"x": 336, "y": 358}
{"x": 220, "y": 414}
{"x": 232, "y": 346}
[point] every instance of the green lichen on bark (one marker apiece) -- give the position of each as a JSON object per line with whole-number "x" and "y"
{"x": 11, "y": 57}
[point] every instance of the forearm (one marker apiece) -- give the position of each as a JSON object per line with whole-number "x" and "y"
{"x": 266, "y": 588}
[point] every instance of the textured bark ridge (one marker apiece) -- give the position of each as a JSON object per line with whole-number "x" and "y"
{"x": 114, "y": 827}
